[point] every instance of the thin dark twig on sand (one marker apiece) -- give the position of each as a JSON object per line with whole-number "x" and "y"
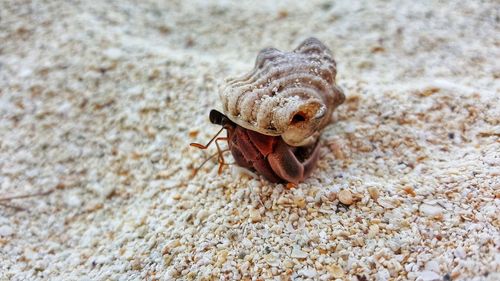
{"x": 17, "y": 208}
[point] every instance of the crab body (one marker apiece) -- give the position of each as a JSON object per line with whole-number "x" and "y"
{"x": 268, "y": 155}
{"x": 274, "y": 114}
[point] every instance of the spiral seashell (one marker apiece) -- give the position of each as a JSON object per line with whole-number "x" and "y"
{"x": 287, "y": 94}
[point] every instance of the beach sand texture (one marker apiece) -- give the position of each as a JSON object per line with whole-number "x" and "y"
{"x": 99, "y": 101}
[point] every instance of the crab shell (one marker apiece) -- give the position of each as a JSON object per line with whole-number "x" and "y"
{"x": 287, "y": 94}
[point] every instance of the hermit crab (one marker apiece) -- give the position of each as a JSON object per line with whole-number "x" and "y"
{"x": 274, "y": 115}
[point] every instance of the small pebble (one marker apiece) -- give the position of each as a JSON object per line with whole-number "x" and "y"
{"x": 73, "y": 200}
{"x": 460, "y": 253}
{"x": 373, "y": 230}
{"x": 6, "y": 230}
{"x": 271, "y": 260}
{"x": 255, "y": 215}
{"x": 222, "y": 257}
{"x": 299, "y": 202}
{"x": 246, "y": 243}
{"x": 386, "y": 203}
{"x": 176, "y": 196}
{"x": 297, "y": 253}
{"x": 336, "y": 271}
{"x": 308, "y": 272}
{"x": 432, "y": 265}
{"x": 113, "y": 53}
{"x": 350, "y": 128}
{"x": 345, "y": 197}
{"x": 202, "y": 214}
{"x": 431, "y": 210}
{"x": 373, "y": 192}
{"x": 337, "y": 151}
{"x": 428, "y": 276}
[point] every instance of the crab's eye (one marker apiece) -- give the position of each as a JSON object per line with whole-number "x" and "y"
{"x": 216, "y": 117}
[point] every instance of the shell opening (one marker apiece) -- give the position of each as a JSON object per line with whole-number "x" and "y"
{"x": 307, "y": 113}
{"x": 298, "y": 117}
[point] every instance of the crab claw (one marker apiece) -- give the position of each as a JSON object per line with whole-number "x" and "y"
{"x": 286, "y": 164}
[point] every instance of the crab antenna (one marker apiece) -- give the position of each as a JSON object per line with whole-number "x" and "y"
{"x": 219, "y": 153}
{"x": 201, "y": 146}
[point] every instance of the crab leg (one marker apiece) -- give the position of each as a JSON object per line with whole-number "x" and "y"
{"x": 221, "y": 156}
{"x": 310, "y": 163}
{"x": 286, "y": 165}
{"x": 201, "y": 146}
{"x": 250, "y": 150}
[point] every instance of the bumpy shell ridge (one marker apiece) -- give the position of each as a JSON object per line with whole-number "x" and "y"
{"x": 291, "y": 94}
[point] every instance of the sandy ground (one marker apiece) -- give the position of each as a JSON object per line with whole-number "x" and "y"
{"x": 100, "y": 99}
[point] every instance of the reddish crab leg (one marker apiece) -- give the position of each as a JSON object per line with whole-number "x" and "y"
{"x": 208, "y": 159}
{"x": 286, "y": 165}
{"x": 201, "y": 146}
{"x": 219, "y": 153}
{"x": 310, "y": 163}
{"x": 221, "y": 156}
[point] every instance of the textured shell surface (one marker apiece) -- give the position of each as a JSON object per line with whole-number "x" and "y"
{"x": 287, "y": 94}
